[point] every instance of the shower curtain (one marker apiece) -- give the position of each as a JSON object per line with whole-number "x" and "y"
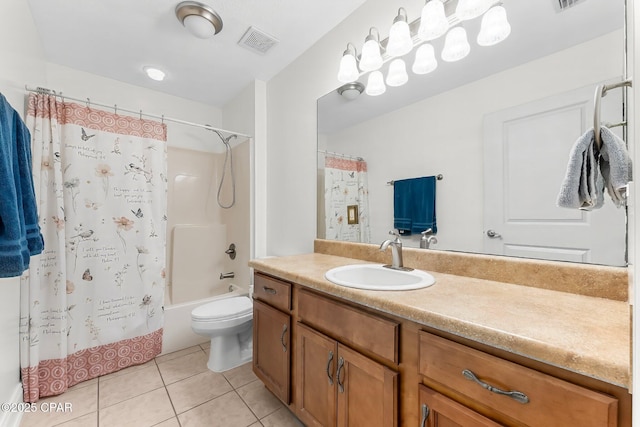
{"x": 94, "y": 302}
{"x": 346, "y": 195}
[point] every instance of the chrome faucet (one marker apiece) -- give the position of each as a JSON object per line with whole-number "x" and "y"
{"x": 427, "y": 239}
{"x": 396, "y": 251}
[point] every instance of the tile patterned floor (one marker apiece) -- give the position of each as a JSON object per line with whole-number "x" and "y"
{"x": 173, "y": 390}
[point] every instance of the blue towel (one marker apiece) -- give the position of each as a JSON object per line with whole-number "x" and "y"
{"x": 414, "y": 205}
{"x": 20, "y": 235}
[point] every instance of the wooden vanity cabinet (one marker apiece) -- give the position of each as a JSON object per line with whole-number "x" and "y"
{"x": 336, "y": 385}
{"x": 504, "y": 391}
{"x": 272, "y": 334}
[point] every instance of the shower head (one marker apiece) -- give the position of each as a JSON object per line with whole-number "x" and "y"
{"x": 226, "y": 140}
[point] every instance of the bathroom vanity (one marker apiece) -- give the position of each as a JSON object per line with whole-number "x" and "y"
{"x": 466, "y": 351}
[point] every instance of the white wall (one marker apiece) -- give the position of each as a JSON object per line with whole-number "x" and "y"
{"x": 292, "y": 124}
{"x": 22, "y": 61}
{"x": 426, "y": 138}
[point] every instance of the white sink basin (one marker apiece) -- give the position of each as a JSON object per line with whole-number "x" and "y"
{"x": 375, "y": 277}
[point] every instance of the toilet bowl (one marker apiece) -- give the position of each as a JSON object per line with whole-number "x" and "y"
{"x": 229, "y": 324}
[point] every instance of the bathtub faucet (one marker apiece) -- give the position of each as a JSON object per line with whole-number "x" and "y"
{"x": 227, "y": 275}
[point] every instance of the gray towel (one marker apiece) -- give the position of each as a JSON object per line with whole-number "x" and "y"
{"x": 583, "y": 185}
{"x": 615, "y": 166}
{"x": 589, "y": 172}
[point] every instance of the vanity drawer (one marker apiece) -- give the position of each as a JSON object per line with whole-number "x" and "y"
{"x": 551, "y": 401}
{"x": 350, "y": 325}
{"x": 272, "y": 291}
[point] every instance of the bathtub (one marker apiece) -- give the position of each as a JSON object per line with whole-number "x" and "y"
{"x": 177, "y": 319}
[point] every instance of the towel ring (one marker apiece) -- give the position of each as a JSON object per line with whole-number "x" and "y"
{"x": 601, "y": 90}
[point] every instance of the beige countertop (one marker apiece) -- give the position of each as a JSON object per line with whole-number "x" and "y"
{"x": 583, "y": 334}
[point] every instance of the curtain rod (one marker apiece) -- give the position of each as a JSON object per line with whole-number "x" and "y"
{"x": 344, "y": 156}
{"x": 140, "y": 113}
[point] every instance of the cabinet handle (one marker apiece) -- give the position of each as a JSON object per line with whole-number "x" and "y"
{"x": 284, "y": 331}
{"x": 515, "y": 395}
{"x": 425, "y": 415}
{"x": 340, "y": 366}
{"x": 329, "y": 366}
{"x": 269, "y": 290}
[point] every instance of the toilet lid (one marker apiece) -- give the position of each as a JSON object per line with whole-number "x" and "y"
{"x": 227, "y": 308}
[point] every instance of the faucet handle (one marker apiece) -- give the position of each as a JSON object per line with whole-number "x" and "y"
{"x": 427, "y": 232}
{"x": 394, "y": 232}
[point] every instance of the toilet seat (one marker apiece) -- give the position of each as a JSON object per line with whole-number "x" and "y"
{"x": 224, "y": 309}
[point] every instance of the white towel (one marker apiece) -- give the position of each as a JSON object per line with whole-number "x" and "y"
{"x": 589, "y": 172}
{"x": 615, "y": 166}
{"x": 583, "y": 185}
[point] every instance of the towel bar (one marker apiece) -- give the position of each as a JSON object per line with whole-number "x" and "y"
{"x": 439, "y": 177}
{"x": 601, "y": 91}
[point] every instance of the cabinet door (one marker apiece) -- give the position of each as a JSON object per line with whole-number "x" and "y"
{"x": 316, "y": 361}
{"x": 367, "y": 391}
{"x": 271, "y": 349}
{"x": 437, "y": 410}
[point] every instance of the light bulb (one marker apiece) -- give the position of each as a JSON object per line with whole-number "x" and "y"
{"x": 348, "y": 71}
{"x": 371, "y": 59}
{"x": 425, "y": 61}
{"x": 495, "y": 27}
{"x": 154, "y": 73}
{"x": 433, "y": 21}
{"x": 375, "y": 84}
{"x": 397, "y": 75}
{"x": 470, "y": 9}
{"x": 400, "y": 42}
{"x": 456, "y": 45}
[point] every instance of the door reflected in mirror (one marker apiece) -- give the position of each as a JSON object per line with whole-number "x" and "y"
{"x": 499, "y": 126}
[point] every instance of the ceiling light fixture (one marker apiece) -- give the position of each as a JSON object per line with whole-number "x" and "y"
{"x": 404, "y": 37}
{"x": 154, "y": 73}
{"x": 202, "y": 21}
{"x": 351, "y": 90}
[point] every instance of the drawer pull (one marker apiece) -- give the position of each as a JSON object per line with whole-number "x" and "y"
{"x": 269, "y": 290}
{"x": 284, "y": 331}
{"x": 340, "y": 366}
{"x": 329, "y": 366}
{"x": 425, "y": 415}
{"x": 515, "y": 395}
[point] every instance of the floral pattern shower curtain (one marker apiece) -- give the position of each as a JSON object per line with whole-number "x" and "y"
{"x": 93, "y": 304}
{"x": 346, "y": 195}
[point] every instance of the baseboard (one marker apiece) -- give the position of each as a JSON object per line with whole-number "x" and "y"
{"x": 12, "y": 418}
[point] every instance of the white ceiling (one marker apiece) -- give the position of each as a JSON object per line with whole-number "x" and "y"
{"x": 537, "y": 30}
{"x": 116, "y": 38}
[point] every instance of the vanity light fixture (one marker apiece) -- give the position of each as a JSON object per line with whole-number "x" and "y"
{"x": 425, "y": 61}
{"x": 201, "y": 21}
{"x": 433, "y": 21}
{"x": 495, "y": 27}
{"x": 154, "y": 73}
{"x": 432, "y": 24}
{"x": 348, "y": 71}
{"x": 351, "y": 90}
{"x": 456, "y": 45}
{"x": 397, "y": 75}
{"x": 400, "y": 42}
{"x": 375, "y": 84}
{"x": 371, "y": 58}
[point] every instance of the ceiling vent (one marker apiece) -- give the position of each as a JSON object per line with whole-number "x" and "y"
{"x": 257, "y": 41}
{"x": 565, "y": 4}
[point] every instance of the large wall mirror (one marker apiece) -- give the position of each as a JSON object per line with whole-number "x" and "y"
{"x": 498, "y": 126}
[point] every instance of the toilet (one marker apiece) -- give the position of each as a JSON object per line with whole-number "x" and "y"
{"x": 229, "y": 324}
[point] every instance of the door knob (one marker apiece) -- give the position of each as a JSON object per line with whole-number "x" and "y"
{"x": 493, "y": 234}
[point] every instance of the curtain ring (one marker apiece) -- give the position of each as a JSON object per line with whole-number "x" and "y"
{"x": 115, "y": 109}
{"x": 162, "y": 121}
{"x": 88, "y": 103}
{"x": 140, "y": 114}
